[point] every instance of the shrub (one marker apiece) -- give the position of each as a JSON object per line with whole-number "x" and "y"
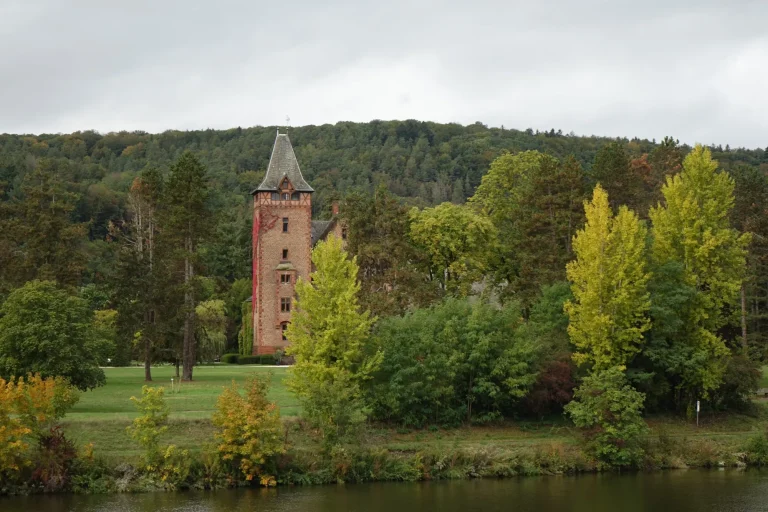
{"x": 248, "y": 430}
{"x": 552, "y": 390}
{"x": 608, "y": 409}
{"x": 54, "y": 460}
{"x": 230, "y": 358}
{"x": 27, "y": 407}
{"x": 756, "y": 452}
{"x": 267, "y": 359}
{"x": 248, "y": 359}
{"x": 453, "y": 362}
{"x": 150, "y": 424}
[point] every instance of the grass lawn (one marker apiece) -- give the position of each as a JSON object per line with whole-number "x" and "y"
{"x": 102, "y": 415}
{"x": 764, "y": 380}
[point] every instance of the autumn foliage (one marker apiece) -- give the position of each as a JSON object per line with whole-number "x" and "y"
{"x": 28, "y": 406}
{"x": 248, "y": 430}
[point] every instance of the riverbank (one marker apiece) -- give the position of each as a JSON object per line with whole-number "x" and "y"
{"x": 112, "y": 461}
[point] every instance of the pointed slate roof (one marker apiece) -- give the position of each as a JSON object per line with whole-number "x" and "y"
{"x": 282, "y": 164}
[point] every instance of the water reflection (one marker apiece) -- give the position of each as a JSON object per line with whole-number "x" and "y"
{"x": 678, "y": 491}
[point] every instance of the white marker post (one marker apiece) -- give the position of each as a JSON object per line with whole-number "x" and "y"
{"x": 698, "y": 408}
{"x": 171, "y": 384}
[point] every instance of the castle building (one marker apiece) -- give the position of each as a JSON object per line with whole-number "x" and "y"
{"x": 283, "y": 236}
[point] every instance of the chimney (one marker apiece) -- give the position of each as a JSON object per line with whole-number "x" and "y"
{"x": 335, "y": 208}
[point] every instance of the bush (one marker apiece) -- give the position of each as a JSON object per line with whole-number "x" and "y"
{"x": 230, "y": 358}
{"x": 249, "y": 360}
{"x": 608, "y": 409}
{"x": 453, "y": 362}
{"x": 249, "y": 431}
{"x": 756, "y": 452}
{"x": 267, "y": 359}
{"x": 150, "y": 424}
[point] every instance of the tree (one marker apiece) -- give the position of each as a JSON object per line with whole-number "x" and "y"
{"x": 248, "y": 430}
{"x": 452, "y": 362}
{"x": 609, "y": 410}
{"x": 212, "y": 327}
{"x": 141, "y": 279}
{"x": 389, "y": 274}
{"x": 45, "y": 330}
{"x": 456, "y": 240}
{"x": 691, "y": 229}
{"x": 750, "y": 215}
{"x": 328, "y": 333}
{"x": 535, "y": 202}
{"x": 42, "y": 242}
{"x": 609, "y": 313}
{"x": 612, "y": 171}
{"x": 187, "y": 221}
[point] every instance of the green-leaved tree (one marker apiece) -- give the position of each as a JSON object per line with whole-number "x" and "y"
{"x": 328, "y": 332}
{"x": 692, "y": 232}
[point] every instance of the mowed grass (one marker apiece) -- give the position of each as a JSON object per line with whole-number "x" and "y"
{"x": 102, "y": 415}
{"x": 764, "y": 379}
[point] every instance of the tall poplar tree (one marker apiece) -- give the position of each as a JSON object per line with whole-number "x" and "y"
{"x": 328, "y": 332}
{"x": 609, "y": 312}
{"x": 692, "y": 231}
{"x": 186, "y": 201}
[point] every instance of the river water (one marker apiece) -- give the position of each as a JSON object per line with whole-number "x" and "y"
{"x": 674, "y": 491}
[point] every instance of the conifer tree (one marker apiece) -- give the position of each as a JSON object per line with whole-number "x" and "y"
{"x": 609, "y": 312}
{"x": 186, "y": 201}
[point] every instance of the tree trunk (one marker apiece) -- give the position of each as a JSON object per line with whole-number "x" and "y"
{"x": 177, "y": 368}
{"x": 147, "y": 360}
{"x": 188, "y": 349}
{"x": 744, "y": 318}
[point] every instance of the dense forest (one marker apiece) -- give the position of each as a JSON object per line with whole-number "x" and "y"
{"x": 71, "y": 204}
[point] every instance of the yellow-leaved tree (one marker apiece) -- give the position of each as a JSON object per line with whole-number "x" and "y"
{"x": 609, "y": 312}
{"x": 328, "y": 332}
{"x": 693, "y": 241}
{"x": 248, "y": 430}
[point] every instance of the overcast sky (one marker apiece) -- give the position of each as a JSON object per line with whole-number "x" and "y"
{"x": 697, "y": 70}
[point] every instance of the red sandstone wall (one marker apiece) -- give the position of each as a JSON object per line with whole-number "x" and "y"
{"x": 268, "y": 244}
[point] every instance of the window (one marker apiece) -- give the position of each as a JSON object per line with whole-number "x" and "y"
{"x": 285, "y": 224}
{"x": 285, "y": 304}
{"x": 284, "y": 327}
{"x": 286, "y": 195}
{"x": 343, "y": 233}
{"x": 285, "y": 278}
{"x": 275, "y": 196}
{"x": 285, "y": 254}
{"x": 295, "y": 196}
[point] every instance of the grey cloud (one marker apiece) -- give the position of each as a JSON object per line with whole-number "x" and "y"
{"x": 695, "y": 70}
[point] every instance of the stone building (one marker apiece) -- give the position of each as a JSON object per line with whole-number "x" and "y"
{"x": 283, "y": 236}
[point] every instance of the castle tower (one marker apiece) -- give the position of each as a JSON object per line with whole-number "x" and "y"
{"x": 282, "y": 240}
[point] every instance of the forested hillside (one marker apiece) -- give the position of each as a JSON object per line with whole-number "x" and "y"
{"x": 68, "y": 203}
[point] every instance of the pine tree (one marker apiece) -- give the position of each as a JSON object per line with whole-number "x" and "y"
{"x": 612, "y": 171}
{"x": 609, "y": 312}
{"x": 186, "y": 200}
{"x": 40, "y": 239}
